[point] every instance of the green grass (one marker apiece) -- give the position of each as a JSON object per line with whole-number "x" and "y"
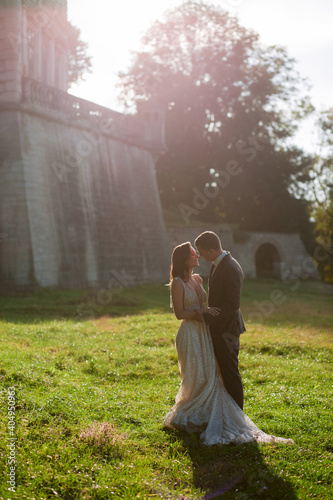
{"x": 93, "y": 383}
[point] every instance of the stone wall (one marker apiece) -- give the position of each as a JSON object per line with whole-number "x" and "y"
{"x": 76, "y": 210}
{"x": 15, "y": 242}
{"x": 290, "y": 249}
{"x": 292, "y": 255}
{"x": 79, "y": 203}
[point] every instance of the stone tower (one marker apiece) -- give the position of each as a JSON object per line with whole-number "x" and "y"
{"x": 79, "y": 203}
{"x": 33, "y": 44}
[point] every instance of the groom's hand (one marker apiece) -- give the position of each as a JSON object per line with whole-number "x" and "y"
{"x": 214, "y": 311}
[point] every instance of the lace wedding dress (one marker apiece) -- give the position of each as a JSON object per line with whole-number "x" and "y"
{"x": 202, "y": 403}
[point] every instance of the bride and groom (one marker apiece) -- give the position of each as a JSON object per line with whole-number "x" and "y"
{"x": 210, "y": 398}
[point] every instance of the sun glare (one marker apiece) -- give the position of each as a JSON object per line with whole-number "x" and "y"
{"x": 113, "y": 30}
{"x": 114, "y": 27}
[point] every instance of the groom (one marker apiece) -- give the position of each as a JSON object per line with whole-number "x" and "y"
{"x": 225, "y": 285}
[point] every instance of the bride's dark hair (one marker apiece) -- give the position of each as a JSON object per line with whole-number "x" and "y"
{"x": 180, "y": 255}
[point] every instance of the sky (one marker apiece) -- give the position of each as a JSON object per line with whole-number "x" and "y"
{"x": 113, "y": 29}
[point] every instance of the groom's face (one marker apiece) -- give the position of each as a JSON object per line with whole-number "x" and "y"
{"x": 207, "y": 255}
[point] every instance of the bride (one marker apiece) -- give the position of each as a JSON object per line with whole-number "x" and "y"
{"x": 202, "y": 403}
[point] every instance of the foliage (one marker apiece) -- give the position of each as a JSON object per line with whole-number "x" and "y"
{"x": 319, "y": 189}
{"x": 79, "y": 61}
{"x": 91, "y": 396}
{"x": 230, "y": 101}
{"x": 323, "y": 206}
{"x": 324, "y": 232}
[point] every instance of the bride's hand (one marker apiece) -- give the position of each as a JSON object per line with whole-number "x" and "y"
{"x": 214, "y": 311}
{"x": 198, "y": 316}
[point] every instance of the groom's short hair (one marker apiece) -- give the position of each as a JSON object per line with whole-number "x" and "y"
{"x": 208, "y": 240}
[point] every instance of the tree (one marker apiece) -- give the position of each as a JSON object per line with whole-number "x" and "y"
{"x": 232, "y": 105}
{"x": 320, "y": 190}
{"x": 79, "y": 62}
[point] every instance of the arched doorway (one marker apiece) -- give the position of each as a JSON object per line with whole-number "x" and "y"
{"x": 267, "y": 262}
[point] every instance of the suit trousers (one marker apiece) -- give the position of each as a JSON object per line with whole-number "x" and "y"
{"x": 226, "y": 348}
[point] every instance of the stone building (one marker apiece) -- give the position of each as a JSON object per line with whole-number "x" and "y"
{"x": 79, "y": 204}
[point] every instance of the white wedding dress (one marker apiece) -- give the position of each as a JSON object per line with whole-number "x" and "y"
{"x": 202, "y": 403}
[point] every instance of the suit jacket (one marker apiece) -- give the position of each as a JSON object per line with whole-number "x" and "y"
{"x": 225, "y": 286}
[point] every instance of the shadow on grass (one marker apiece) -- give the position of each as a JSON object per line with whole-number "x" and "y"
{"x": 236, "y": 472}
{"x": 83, "y": 305}
{"x": 89, "y": 304}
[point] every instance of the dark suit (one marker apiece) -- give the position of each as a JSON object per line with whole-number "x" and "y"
{"x": 225, "y": 287}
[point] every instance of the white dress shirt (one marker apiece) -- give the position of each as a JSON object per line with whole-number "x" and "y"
{"x": 218, "y": 260}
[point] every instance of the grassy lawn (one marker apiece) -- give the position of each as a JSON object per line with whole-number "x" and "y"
{"x": 94, "y": 376}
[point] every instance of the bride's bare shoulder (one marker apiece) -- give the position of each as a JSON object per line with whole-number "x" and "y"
{"x": 176, "y": 283}
{"x": 198, "y": 278}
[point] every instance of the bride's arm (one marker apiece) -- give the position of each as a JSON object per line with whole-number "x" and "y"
{"x": 177, "y": 295}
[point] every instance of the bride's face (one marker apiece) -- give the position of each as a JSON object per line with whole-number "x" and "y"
{"x": 193, "y": 260}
